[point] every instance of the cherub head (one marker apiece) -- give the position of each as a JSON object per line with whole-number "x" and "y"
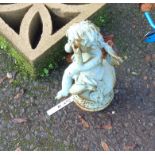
{"x": 84, "y": 35}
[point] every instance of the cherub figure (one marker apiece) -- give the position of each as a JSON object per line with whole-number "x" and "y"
{"x": 93, "y": 76}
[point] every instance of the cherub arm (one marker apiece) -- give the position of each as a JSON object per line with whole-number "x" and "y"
{"x": 94, "y": 61}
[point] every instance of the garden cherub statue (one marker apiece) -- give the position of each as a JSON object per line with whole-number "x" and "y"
{"x": 90, "y": 79}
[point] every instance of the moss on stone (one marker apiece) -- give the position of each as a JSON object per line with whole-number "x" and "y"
{"x": 50, "y": 61}
{"x": 23, "y": 65}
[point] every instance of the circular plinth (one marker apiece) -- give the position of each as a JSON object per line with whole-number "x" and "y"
{"x": 92, "y": 106}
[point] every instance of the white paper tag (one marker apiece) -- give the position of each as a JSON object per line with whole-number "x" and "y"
{"x": 60, "y": 106}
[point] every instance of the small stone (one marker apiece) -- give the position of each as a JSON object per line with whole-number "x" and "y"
{"x": 116, "y": 91}
{"x": 18, "y": 149}
{"x": 150, "y": 124}
{"x": 150, "y": 78}
{"x": 11, "y": 81}
{"x": 36, "y": 149}
{"x": 147, "y": 58}
{"x": 9, "y": 75}
{"x": 153, "y": 56}
{"x": 22, "y": 111}
{"x": 18, "y": 89}
{"x": 36, "y": 133}
{"x": 125, "y": 57}
{"x": 129, "y": 147}
{"x": 31, "y": 99}
{"x": 128, "y": 70}
{"x": 113, "y": 112}
{"x": 126, "y": 124}
{"x": 145, "y": 78}
{"x": 27, "y": 137}
{"x": 2, "y": 79}
{"x": 14, "y": 133}
{"x": 133, "y": 26}
{"x": 86, "y": 147}
{"x": 126, "y": 85}
{"x": 31, "y": 146}
{"x": 105, "y": 146}
{"x": 65, "y": 142}
{"x": 134, "y": 73}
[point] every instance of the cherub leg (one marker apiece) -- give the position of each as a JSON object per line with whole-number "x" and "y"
{"x": 67, "y": 81}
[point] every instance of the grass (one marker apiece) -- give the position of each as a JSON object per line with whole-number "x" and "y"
{"x": 102, "y": 17}
{"x": 20, "y": 62}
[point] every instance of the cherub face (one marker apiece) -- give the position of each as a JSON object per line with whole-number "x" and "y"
{"x": 70, "y": 44}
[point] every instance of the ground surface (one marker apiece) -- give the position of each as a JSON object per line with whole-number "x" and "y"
{"x": 127, "y": 124}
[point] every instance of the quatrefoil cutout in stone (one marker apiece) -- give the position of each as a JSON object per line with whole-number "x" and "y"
{"x": 33, "y": 29}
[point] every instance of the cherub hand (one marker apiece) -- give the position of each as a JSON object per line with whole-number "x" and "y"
{"x": 61, "y": 94}
{"x": 76, "y": 50}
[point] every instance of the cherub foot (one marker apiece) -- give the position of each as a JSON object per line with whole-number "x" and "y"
{"x": 61, "y": 94}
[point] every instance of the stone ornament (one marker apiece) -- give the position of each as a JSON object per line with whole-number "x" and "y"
{"x": 21, "y": 23}
{"x": 90, "y": 79}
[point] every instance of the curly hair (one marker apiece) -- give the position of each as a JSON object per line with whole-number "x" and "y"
{"x": 86, "y": 33}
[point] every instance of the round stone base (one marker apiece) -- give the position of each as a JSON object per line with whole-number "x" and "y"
{"x": 91, "y": 106}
